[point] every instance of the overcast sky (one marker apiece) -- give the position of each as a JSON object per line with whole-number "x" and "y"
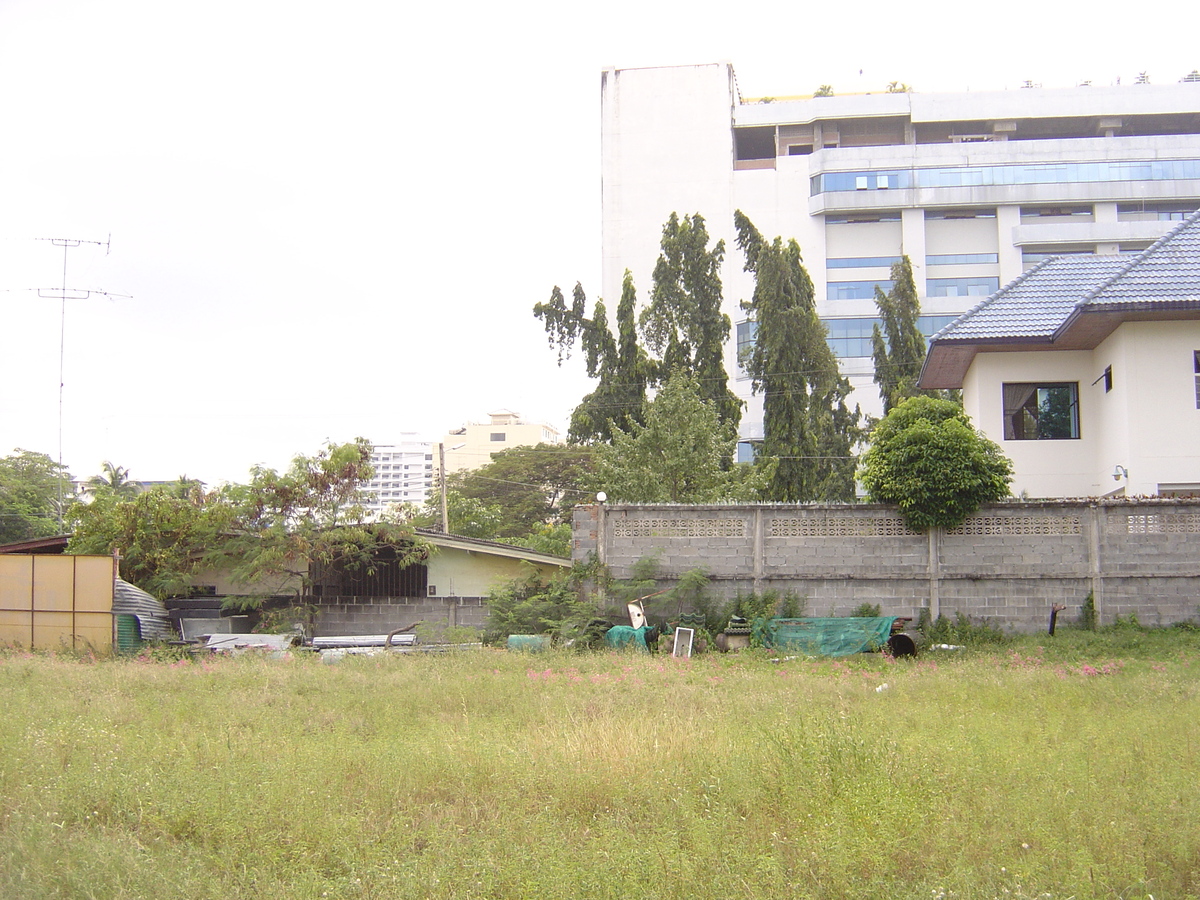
{"x": 330, "y": 220}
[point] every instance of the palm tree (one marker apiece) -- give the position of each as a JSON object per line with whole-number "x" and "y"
{"x": 113, "y": 480}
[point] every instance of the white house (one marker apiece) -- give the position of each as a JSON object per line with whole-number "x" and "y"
{"x": 1086, "y": 371}
{"x": 974, "y": 187}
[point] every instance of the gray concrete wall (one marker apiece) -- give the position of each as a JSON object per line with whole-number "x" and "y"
{"x": 1008, "y": 564}
{"x": 375, "y": 615}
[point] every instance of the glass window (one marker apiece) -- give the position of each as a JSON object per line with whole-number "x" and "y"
{"x": 962, "y": 287}
{"x": 856, "y": 290}
{"x": 497, "y": 435}
{"x": 992, "y": 176}
{"x": 746, "y": 332}
{"x": 1041, "y": 412}
{"x": 851, "y": 336}
{"x": 962, "y": 259}
{"x": 1156, "y": 212}
{"x": 862, "y": 262}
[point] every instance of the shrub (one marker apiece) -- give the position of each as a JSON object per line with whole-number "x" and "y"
{"x": 927, "y": 459}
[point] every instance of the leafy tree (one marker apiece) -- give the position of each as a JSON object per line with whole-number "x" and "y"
{"x": 925, "y": 457}
{"x": 555, "y": 540}
{"x": 271, "y": 528}
{"x": 161, "y": 539}
{"x": 617, "y": 361}
{"x": 112, "y": 480}
{"x": 824, "y": 90}
{"x": 310, "y": 514}
{"x": 684, "y": 323}
{"x": 31, "y": 485}
{"x": 807, "y": 427}
{"x": 899, "y": 348}
{"x": 681, "y": 454}
{"x": 533, "y": 486}
{"x": 468, "y": 516}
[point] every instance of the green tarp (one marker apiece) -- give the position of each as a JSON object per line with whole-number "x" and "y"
{"x": 825, "y": 636}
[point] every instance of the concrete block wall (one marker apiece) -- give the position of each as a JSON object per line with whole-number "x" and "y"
{"x": 376, "y": 615}
{"x": 1008, "y": 564}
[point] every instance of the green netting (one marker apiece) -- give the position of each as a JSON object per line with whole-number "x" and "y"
{"x": 620, "y": 636}
{"x": 825, "y": 636}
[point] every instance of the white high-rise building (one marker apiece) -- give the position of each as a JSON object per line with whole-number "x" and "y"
{"x": 404, "y": 473}
{"x": 973, "y": 187}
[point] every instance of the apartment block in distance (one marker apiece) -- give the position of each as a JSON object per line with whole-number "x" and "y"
{"x": 404, "y": 473}
{"x": 472, "y": 445}
{"x": 973, "y": 187}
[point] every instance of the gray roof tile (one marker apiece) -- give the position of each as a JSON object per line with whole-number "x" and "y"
{"x": 1039, "y": 302}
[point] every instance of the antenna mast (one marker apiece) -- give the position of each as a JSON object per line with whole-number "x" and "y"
{"x": 63, "y": 294}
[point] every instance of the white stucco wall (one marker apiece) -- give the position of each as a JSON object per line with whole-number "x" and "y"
{"x": 1148, "y": 423}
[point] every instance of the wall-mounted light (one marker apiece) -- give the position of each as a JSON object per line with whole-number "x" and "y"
{"x": 601, "y": 497}
{"x": 1120, "y": 472}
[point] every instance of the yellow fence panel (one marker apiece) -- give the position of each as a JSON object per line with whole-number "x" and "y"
{"x": 56, "y": 602}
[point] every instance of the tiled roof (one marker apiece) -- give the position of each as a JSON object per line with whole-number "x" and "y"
{"x": 1168, "y": 272}
{"x": 1036, "y": 305}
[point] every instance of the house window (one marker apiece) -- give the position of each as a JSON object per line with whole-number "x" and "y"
{"x": 497, "y": 435}
{"x": 1196, "y": 368}
{"x": 1041, "y": 412}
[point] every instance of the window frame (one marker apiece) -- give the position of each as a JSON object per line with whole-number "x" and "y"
{"x": 1023, "y": 405}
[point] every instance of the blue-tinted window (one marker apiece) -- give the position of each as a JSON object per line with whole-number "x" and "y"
{"x": 851, "y": 336}
{"x": 862, "y": 262}
{"x": 746, "y": 451}
{"x": 962, "y": 287}
{"x": 855, "y": 290}
{"x": 961, "y": 259}
{"x": 990, "y": 176}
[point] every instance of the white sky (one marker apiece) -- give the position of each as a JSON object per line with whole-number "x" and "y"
{"x": 334, "y": 219}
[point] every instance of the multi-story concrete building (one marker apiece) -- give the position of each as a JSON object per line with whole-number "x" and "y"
{"x": 472, "y": 445}
{"x": 974, "y": 187}
{"x": 404, "y": 473}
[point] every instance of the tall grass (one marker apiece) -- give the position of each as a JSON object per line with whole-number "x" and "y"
{"x": 1064, "y": 766}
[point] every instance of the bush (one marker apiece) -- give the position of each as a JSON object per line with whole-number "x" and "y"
{"x": 927, "y": 459}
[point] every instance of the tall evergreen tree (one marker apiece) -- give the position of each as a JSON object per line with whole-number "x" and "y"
{"x": 683, "y": 323}
{"x": 899, "y": 348}
{"x": 807, "y": 426}
{"x": 617, "y": 361}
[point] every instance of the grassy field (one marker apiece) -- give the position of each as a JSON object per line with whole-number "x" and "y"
{"x": 1062, "y": 767}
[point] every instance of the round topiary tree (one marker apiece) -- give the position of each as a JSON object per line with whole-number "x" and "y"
{"x": 925, "y": 457}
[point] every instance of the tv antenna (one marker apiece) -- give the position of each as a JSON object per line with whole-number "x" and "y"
{"x": 63, "y": 294}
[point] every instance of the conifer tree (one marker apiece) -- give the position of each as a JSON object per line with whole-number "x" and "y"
{"x": 899, "y": 348}
{"x": 807, "y": 426}
{"x": 617, "y": 361}
{"x": 683, "y": 323}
